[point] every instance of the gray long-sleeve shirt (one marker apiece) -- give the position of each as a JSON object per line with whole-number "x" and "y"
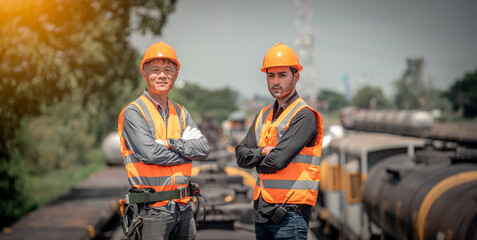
{"x": 142, "y": 143}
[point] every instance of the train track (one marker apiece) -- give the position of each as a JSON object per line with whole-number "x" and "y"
{"x": 80, "y": 214}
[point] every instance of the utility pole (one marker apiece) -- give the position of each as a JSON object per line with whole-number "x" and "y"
{"x": 304, "y": 46}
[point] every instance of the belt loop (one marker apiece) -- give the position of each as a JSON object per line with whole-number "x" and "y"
{"x": 147, "y": 198}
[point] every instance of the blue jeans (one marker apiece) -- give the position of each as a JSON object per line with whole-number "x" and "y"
{"x": 293, "y": 226}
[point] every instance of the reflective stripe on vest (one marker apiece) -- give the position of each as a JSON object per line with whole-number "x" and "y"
{"x": 302, "y": 175}
{"x": 160, "y": 178}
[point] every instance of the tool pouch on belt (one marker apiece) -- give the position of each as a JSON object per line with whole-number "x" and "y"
{"x": 145, "y": 196}
{"x": 200, "y": 202}
{"x": 131, "y": 222}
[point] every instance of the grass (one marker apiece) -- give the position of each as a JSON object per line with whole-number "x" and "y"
{"x": 46, "y": 188}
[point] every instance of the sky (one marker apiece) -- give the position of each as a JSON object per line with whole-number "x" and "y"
{"x": 221, "y": 43}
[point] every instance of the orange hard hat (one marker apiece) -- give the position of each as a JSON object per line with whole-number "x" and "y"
{"x": 280, "y": 55}
{"x": 160, "y": 50}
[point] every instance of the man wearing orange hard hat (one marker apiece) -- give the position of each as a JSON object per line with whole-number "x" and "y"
{"x": 284, "y": 146}
{"x": 159, "y": 141}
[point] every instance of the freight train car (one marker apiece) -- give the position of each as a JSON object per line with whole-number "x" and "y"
{"x": 404, "y": 122}
{"x": 398, "y": 187}
{"x": 430, "y": 196}
{"x": 343, "y": 173}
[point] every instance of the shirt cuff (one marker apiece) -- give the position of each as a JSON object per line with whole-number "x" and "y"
{"x": 258, "y": 153}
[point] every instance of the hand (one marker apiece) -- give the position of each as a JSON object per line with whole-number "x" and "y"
{"x": 191, "y": 133}
{"x": 266, "y": 150}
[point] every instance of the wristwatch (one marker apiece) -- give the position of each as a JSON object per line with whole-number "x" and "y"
{"x": 170, "y": 143}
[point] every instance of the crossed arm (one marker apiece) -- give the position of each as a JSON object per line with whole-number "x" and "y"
{"x": 142, "y": 143}
{"x": 270, "y": 159}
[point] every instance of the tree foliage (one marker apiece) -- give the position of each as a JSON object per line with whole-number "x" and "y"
{"x": 55, "y": 140}
{"x": 334, "y": 99}
{"x": 370, "y": 97}
{"x": 463, "y": 95}
{"x": 414, "y": 90}
{"x": 51, "y": 49}
{"x": 410, "y": 87}
{"x": 201, "y": 102}
{"x": 405, "y": 98}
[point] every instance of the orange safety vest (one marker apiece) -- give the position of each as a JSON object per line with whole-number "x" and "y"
{"x": 160, "y": 178}
{"x": 302, "y": 175}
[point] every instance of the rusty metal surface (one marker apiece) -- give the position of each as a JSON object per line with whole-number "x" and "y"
{"x": 79, "y": 214}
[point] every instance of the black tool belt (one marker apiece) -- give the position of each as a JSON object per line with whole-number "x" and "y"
{"x": 130, "y": 219}
{"x": 148, "y": 196}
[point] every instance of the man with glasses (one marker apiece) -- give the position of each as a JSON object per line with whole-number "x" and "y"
{"x": 159, "y": 141}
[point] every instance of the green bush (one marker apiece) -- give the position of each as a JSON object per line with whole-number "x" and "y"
{"x": 53, "y": 152}
{"x": 13, "y": 202}
{"x": 58, "y": 139}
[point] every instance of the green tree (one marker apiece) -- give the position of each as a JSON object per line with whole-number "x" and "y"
{"x": 414, "y": 90}
{"x": 405, "y": 98}
{"x": 51, "y": 49}
{"x": 201, "y": 102}
{"x": 410, "y": 87}
{"x": 435, "y": 99}
{"x": 334, "y": 99}
{"x": 463, "y": 95}
{"x": 370, "y": 97}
